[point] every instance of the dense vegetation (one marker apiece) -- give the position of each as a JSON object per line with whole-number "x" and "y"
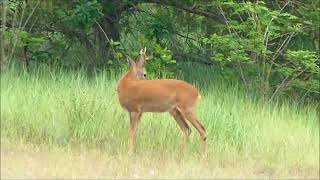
{"x": 256, "y": 64}
{"x": 270, "y": 46}
{"x": 246, "y": 137}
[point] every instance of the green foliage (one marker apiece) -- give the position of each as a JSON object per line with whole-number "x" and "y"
{"x": 306, "y": 60}
{"x": 253, "y": 46}
{"x": 28, "y": 42}
{"x": 306, "y": 65}
{"x": 227, "y": 49}
{"x": 158, "y": 27}
{"x": 85, "y": 13}
{"x": 79, "y": 15}
{"x": 269, "y": 46}
{"x": 160, "y": 62}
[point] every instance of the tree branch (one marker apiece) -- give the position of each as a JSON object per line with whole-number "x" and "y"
{"x": 176, "y": 4}
{"x": 194, "y": 10}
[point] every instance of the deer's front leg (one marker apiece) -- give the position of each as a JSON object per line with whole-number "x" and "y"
{"x": 134, "y": 122}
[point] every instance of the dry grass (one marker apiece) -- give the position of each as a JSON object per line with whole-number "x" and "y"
{"x": 28, "y": 161}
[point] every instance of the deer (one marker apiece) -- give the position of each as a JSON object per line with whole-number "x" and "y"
{"x": 137, "y": 95}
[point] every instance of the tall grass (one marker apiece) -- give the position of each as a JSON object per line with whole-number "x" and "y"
{"x": 60, "y": 108}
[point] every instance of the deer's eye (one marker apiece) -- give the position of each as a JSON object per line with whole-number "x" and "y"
{"x": 144, "y": 75}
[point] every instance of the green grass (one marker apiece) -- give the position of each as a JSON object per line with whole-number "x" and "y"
{"x": 61, "y": 109}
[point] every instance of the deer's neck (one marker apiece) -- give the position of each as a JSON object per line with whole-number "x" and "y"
{"x": 122, "y": 84}
{"x": 129, "y": 76}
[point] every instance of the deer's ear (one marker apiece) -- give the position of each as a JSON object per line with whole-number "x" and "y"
{"x": 130, "y": 61}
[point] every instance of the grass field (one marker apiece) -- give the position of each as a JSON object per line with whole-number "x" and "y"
{"x": 73, "y": 126}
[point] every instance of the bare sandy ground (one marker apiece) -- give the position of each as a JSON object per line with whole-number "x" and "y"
{"x": 29, "y": 162}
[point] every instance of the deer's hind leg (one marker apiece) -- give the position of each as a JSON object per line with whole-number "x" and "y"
{"x": 190, "y": 115}
{"x": 186, "y": 130}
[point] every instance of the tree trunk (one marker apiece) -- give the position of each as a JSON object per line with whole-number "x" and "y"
{"x": 3, "y": 62}
{"x": 109, "y": 25}
{"x": 107, "y": 29}
{"x": 26, "y": 59}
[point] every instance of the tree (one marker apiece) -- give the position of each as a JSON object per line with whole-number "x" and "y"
{"x": 3, "y": 9}
{"x": 269, "y": 45}
{"x": 112, "y": 10}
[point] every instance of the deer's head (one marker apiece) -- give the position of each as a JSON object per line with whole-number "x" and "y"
{"x": 137, "y": 69}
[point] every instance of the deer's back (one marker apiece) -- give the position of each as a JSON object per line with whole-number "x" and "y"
{"x": 156, "y": 95}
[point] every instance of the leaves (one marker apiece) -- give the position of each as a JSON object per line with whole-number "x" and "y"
{"x": 161, "y": 61}
{"x": 266, "y": 44}
{"x": 159, "y": 27}
{"x": 84, "y": 15}
{"x": 302, "y": 59}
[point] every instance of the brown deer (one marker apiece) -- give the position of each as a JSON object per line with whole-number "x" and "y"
{"x": 137, "y": 95}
